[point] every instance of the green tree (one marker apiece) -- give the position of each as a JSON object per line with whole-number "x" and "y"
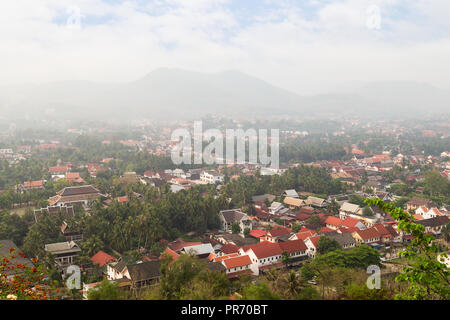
{"x": 367, "y": 211}
{"x": 295, "y": 226}
{"x": 106, "y": 290}
{"x": 314, "y": 222}
{"x": 427, "y": 277}
{"x": 235, "y": 228}
{"x": 308, "y": 293}
{"x": 326, "y": 245}
{"x": 436, "y": 184}
{"x": 259, "y": 292}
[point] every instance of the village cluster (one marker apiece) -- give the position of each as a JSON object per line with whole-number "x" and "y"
{"x": 279, "y": 233}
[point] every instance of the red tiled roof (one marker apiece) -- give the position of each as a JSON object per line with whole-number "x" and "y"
{"x": 58, "y": 169}
{"x": 32, "y": 184}
{"x": 229, "y": 248}
{"x": 315, "y": 241}
{"x": 437, "y": 212}
{"x": 367, "y": 234}
{"x": 348, "y": 230}
{"x": 293, "y": 246}
{"x": 240, "y": 261}
{"x": 122, "y": 199}
{"x": 101, "y": 258}
{"x": 334, "y": 221}
{"x": 266, "y": 249}
{"x": 257, "y": 233}
{"x": 382, "y": 230}
{"x": 228, "y": 256}
{"x": 305, "y": 234}
{"x": 302, "y": 216}
{"x": 171, "y": 253}
{"x": 211, "y": 256}
{"x": 349, "y": 222}
{"x": 72, "y": 175}
{"x": 392, "y": 231}
{"x": 305, "y": 210}
{"x": 325, "y": 230}
{"x": 276, "y": 232}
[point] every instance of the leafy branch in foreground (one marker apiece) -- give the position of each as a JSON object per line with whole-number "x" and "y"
{"x": 428, "y": 278}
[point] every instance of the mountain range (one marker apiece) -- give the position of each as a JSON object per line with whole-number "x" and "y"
{"x": 180, "y": 94}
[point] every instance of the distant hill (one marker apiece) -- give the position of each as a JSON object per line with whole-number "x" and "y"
{"x": 174, "y": 93}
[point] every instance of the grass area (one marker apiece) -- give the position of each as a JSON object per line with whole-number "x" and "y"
{"x": 20, "y": 211}
{"x": 190, "y": 239}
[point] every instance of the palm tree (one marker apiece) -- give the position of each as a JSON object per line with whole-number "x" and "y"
{"x": 293, "y": 283}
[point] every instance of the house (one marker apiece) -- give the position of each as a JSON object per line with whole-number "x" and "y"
{"x": 236, "y": 239}
{"x": 290, "y": 193}
{"x": 296, "y": 250}
{"x": 316, "y": 202}
{"x": 170, "y": 253}
{"x": 275, "y": 207}
{"x": 324, "y": 230}
{"x": 228, "y": 248}
{"x": 278, "y": 234}
{"x": 133, "y": 276}
{"x": 65, "y": 212}
{"x": 64, "y": 253}
{"x": 433, "y": 213}
{"x": 58, "y": 171}
{"x": 74, "y": 177}
{"x": 353, "y": 223}
{"x": 257, "y": 234}
{"x": 294, "y": 203}
{"x": 179, "y": 244}
{"x": 31, "y": 185}
{"x": 312, "y": 243}
{"x": 211, "y": 177}
{"x": 227, "y": 218}
{"x": 417, "y": 202}
{"x": 345, "y": 240}
{"x": 236, "y": 266}
{"x": 434, "y": 225}
{"x": 116, "y": 270}
{"x": 200, "y": 250}
{"x": 366, "y": 236}
{"x": 70, "y": 234}
{"x": 387, "y": 235}
{"x": 84, "y": 195}
{"x": 348, "y": 208}
{"x": 144, "y": 274}
{"x": 102, "y": 258}
{"x": 333, "y": 222}
{"x": 264, "y": 255}
{"x": 303, "y": 234}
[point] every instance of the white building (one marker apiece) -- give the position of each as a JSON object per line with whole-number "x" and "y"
{"x": 211, "y": 177}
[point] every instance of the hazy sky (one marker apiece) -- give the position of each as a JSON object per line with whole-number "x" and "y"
{"x": 306, "y": 46}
